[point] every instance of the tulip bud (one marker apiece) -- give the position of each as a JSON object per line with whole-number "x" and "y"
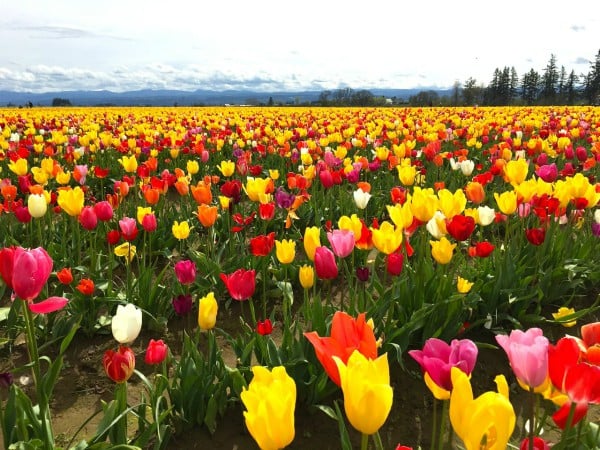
{"x": 126, "y": 323}
{"x": 156, "y": 352}
{"x": 119, "y": 365}
{"x": 207, "y": 312}
{"x": 37, "y": 206}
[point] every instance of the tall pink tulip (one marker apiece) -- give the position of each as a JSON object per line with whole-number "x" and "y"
{"x": 342, "y": 242}
{"x": 104, "y": 211}
{"x": 527, "y": 353}
{"x": 325, "y": 264}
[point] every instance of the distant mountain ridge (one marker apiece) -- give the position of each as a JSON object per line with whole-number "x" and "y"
{"x": 149, "y": 97}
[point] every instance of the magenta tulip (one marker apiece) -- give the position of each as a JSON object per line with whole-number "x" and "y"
{"x": 30, "y": 271}
{"x": 128, "y": 228}
{"x": 185, "y": 271}
{"x": 149, "y": 223}
{"x": 342, "y": 242}
{"x": 547, "y": 172}
{"x": 527, "y": 353}
{"x": 325, "y": 264}
{"x": 394, "y": 263}
{"x": 49, "y": 305}
{"x": 438, "y": 357}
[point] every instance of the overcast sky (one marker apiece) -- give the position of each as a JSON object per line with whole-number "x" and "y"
{"x": 122, "y": 45}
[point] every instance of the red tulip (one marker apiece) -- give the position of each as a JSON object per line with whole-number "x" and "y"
{"x": 119, "y": 365}
{"x": 325, "y": 264}
{"x": 264, "y": 328}
{"x": 538, "y": 444}
{"x": 262, "y": 245}
{"x": 536, "y": 235}
{"x": 149, "y": 223}
{"x": 484, "y": 249}
{"x": 394, "y": 263}
{"x": 113, "y": 237}
{"x": 103, "y": 210}
{"x": 88, "y": 218}
{"x": 7, "y": 256}
{"x": 347, "y": 334}
{"x": 156, "y": 352}
{"x": 266, "y": 211}
{"x": 185, "y": 271}
{"x": 22, "y": 213}
{"x": 461, "y": 227}
{"x": 86, "y": 286}
{"x": 65, "y": 276}
{"x": 240, "y": 284}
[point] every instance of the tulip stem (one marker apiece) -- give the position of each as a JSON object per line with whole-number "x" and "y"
{"x": 364, "y": 442}
{"x": 377, "y": 440}
{"x": 532, "y": 418}
{"x": 434, "y": 425}
{"x": 44, "y": 411}
{"x": 440, "y": 443}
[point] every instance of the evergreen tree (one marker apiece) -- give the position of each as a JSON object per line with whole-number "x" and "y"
{"x": 530, "y": 87}
{"x": 570, "y": 89}
{"x": 514, "y": 85}
{"x": 592, "y": 82}
{"x": 549, "y": 82}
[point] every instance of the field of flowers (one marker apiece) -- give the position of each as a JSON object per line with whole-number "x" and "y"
{"x": 361, "y": 235}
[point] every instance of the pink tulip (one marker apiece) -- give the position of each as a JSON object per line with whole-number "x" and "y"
{"x": 49, "y": 305}
{"x": 88, "y": 218}
{"x": 30, "y": 271}
{"x": 342, "y": 242}
{"x": 149, "y": 223}
{"x": 128, "y": 228}
{"x": 547, "y": 172}
{"x": 527, "y": 353}
{"x": 325, "y": 264}
{"x": 185, "y": 271}
{"x": 438, "y": 357}
{"x": 104, "y": 211}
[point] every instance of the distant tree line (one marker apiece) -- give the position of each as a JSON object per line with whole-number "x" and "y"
{"x": 554, "y": 86}
{"x": 350, "y": 97}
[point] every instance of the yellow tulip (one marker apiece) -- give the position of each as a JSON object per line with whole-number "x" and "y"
{"x": 141, "y": 212}
{"x": 401, "y": 215}
{"x": 227, "y": 168}
{"x": 563, "y": 311}
{"x": 387, "y": 238}
{"x": 452, "y": 204}
{"x": 181, "y": 230}
{"x": 125, "y": 250}
{"x": 423, "y": 203}
{"x": 407, "y": 174}
{"x": 507, "y": 202}
{"x": 515, "y": 171}
{"x": 129, "y": 163}
{"x": 270, "y": 401}
{"x": 18, "y": 167}
{"x": 37, "y": 205}
{"x": 486, "y": 422}
{"x": 463, "y": 286}
{"x": 63, "y": 177}
{"x": 274, "y": 174}
{"x": 312, "y": 240}
{"x": 71, "y": 200}
{"x": 224, "y": 201}
{"x": 39, "y": 175}
{"x": 306, "y": 274}
{"x": 351, "y": 223}
{"x": 207, "y": 311}
{"x": 285, "y": 250}
{"x": 192, "y": 167}
{"x": 367, "y": 392}
{"x": 257, "y": 187}
{"x": 442, "y": 250}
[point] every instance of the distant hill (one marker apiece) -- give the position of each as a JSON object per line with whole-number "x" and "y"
{"x": 147, "y": 97}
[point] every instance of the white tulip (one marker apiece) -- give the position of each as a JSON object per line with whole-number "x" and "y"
{"x": 433, "y": 225}
{"x": 466, "y": 167}
{"x": 37, "y": 206}
{"x": 361, "y": 198}
{"x": 126, "y": 323}
{"x": 486, "y": 215}
{"x": 597, "y": 216}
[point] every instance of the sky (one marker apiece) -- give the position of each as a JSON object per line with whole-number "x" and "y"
{"x": 123, "y": 45}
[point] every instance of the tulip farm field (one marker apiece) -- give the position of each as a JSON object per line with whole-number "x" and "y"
{"x": 239, "y": 278}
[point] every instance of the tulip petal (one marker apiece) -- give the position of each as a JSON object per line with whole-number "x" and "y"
{"x": 49, "y": 305}
{"x": 561, "y": 416}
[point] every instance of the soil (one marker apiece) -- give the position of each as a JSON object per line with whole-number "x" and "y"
{"x": 83, "y": 385}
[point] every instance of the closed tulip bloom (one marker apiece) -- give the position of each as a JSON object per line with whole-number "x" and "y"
{"x": 506, "y": 201}
{"x": 368, "y": 395}
{"x": 71, "y": 200}
{"x": 460, "y": 227}
{"x": 240, "y": 284}
{"x": 361, "y": 198}
{"x": 141, "y": 212}
{"x": 18, "y": 167}
{"x": 119, "y": 365}
{"x": 285, "y": 250}
{"x": 407, "y": 174}
{"x": 342, "y": 242}
{"x": 270, "y": 402}
{"x": 489, "y": 418}
{"x": 182, "y": 304}
{"x": 306, "y": 274}
{"x": 352, "y": 223}
{"x": 535, "y": 236}
{"x": 181, "y": 230}
{"x": 202, "y": 193}
{"x": 65, "y": 275}
{"x": 37, "y": 206}
{"x": 207, "y": 312}
{"x": 347, "y": 334}
{"x": 387, "y": 238}
{"x": 527, "y": 353}
{"x": 485, "y": 215}
{"x": 86, "y": 286}
{"x": 25, "y": 271}
{"x": 463, "y": 286}
{"x": 128, "y": 228}
{"x": 126, "y": 323}
{"x": 149, "y": 223}
{"x": 156, "y": 352}
{"x": 423, "y": 204}
{"x": 475, "y": 192}
{"x": 104, "y": 211}
{"x": 207, "y": 215}
{"x": 325, "y": 264}
{"x": 185, "y": 271}
{"x": 88, "y": 218}
{"x": 312, "y": 240}
{"x": 442, "y": 250}
{"x": 515, "y": 171}
{"x": 394, "y": 263}
{"x": 437, "y": 225}
{"x": 263, "y": 244}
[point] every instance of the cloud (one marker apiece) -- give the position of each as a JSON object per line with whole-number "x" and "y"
{"x": 581, "y": 60}
{"x": 577, "y": 28}
{"x": 62, "y": 32}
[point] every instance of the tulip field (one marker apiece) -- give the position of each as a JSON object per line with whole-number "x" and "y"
{"x": 275, "y": 264}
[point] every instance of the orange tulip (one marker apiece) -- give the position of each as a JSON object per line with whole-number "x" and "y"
{"x": 475, "y": 192}
{"x": 202, "y": 193}
{"x": 152, "y": 196}
{"x": 207, "y": 215}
